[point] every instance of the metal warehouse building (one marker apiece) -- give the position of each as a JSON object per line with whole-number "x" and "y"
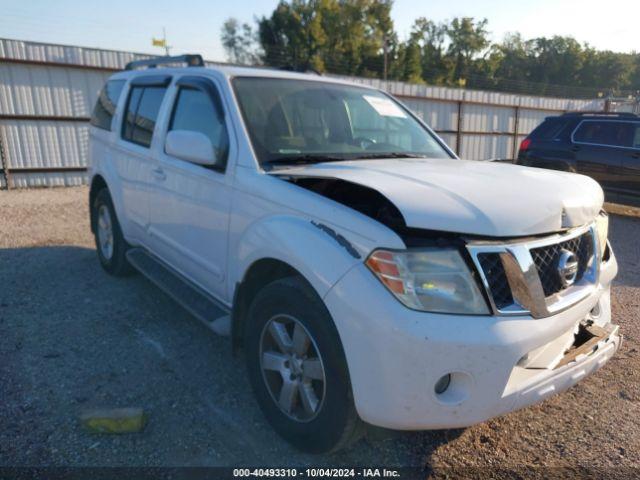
{"x": 47, "y": 93}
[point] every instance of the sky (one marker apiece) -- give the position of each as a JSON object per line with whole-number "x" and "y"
{"x": 194, "y": 26}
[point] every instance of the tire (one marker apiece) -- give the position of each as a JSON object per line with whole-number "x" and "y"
{"x": 292, "y": 304}
{"x": 111, "y": 253}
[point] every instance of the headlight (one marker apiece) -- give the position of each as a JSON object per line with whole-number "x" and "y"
{"x": 431, "y": 280}
{"x": 602, "y": 227}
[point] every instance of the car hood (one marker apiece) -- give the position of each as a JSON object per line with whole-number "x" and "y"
{"x": 473, "y": 197}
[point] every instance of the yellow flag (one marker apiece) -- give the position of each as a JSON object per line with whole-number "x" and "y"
{"x": 158, "y": 42}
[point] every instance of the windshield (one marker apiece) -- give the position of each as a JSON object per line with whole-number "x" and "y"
{"x": 304, "y": 121}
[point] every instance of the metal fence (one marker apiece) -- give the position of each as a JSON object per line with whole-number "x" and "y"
{"x": 47, "y": 93}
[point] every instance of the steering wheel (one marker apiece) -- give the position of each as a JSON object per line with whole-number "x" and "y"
{"x": 364, "y": 142}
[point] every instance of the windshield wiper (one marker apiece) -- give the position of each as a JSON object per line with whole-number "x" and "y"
{"x": 373, "y": 156}
{"x": 302, "y": 159}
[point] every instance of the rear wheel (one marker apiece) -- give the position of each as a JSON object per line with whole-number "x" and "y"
{"x": 110, "y": 244}
{"x": 298, "y": 369}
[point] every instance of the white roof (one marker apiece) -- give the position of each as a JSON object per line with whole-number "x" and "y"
{"x": 231, "y": 71}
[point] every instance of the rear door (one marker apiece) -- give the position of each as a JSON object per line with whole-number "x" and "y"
{"x": 189, "y": 211}
{"x": 599, "y": 147}
{"x": 135, "y": 160}
{"x": 549, "y": 145}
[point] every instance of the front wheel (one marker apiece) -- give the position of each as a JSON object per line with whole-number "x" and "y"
{"x": 298, "y": 368}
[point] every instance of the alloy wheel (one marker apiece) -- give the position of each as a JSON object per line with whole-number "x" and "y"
{"x": 105, "y": 232}
{"x": 292, "y": 368}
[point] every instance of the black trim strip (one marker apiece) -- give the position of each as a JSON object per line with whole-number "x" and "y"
{"x": 151, "y": 81}
{"x": 338, "y": 238}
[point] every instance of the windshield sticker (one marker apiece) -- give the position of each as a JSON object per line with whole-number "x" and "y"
{"x": 385, "y": 106}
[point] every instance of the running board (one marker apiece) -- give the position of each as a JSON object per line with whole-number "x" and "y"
{"x": 192, "y": 298}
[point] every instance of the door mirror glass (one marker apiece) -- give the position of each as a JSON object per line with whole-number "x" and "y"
{"x": 190, "y": 146}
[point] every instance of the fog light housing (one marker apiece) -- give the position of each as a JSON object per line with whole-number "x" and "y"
{"x": 442, "y": 384}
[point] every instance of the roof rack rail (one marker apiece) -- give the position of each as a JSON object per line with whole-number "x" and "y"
{"x": 192, "y": 60}
{"x": 291, "y": 68}
{"x": 599, "y": 114}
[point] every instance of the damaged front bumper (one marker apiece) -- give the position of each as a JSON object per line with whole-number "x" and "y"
{"x": 579, "y": 362}
{"x": 397, "y": 356}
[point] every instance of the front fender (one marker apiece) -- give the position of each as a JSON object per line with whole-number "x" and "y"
{"x": 319, "y": 251}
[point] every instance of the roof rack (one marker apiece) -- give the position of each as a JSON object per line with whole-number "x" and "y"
{"x": 291, "y": 68}
{"x": 600, "y": 114}
{"x": 192, "y": 60}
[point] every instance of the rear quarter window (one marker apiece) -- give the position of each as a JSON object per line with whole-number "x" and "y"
{"x": 106, "y": 104}
{"x": 550, "y": 129}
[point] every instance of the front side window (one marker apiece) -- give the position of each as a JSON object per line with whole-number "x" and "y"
{"x": 141, "y": 114}
{"x": 194, "y": 111}
{"x": 106, "y": 105}
{"x": 613, "y": 133}
{"x": 306, "y": 120}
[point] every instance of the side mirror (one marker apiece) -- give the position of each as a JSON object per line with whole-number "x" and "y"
{"x": 190, "y": 146}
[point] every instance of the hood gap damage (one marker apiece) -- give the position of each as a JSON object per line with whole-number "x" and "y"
{"x": 375, "y": 205}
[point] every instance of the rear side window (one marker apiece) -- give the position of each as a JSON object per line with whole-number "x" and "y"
{"x": 549, "y": 129}
{"x": 141, "y": 114}
{"x": 106, "y": 105}
{"x": 194, "y": 111}
{"x": 617, "y": 134}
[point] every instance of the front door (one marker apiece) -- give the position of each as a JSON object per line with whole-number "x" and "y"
{"x": 189, "y": 210}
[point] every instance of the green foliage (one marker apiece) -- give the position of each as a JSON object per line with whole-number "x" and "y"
{"x": 238, "y": 41}
{"x": 357, "y": 37}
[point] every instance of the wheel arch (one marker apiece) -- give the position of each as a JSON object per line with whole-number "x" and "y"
{"x": 260, "y": 273}
{"x": 286, "y": 245}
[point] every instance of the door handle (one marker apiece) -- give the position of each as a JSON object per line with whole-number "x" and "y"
{"x": 575, "y": 148}
{"x": 636, "y": 155}
{"x": 159, "y": 173}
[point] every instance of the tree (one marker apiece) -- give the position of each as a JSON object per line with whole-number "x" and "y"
{"x": 467, "y": 38}
{"x": 293, "y": 36}
{"x": 342, "y": 36}
{"x": 357, "y": 37}
{"x": 238, "y": 41}
{"x": 436, "y": 69}
{"x": 605, "y": 68}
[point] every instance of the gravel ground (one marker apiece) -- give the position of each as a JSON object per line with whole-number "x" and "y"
{"x": 72, "y": 338}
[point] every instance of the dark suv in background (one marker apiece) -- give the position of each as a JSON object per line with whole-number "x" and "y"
{"x": 604, "y": 146}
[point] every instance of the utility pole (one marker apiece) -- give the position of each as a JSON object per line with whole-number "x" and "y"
{"x": 385, "y": 50}
{"x": 167, "y": 48}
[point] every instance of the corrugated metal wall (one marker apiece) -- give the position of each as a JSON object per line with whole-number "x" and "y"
{"x": 47, "y": 93}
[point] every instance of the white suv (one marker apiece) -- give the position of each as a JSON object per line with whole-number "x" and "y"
{"x": 367, "y": 273}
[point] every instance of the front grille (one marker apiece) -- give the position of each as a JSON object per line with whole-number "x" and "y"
{"x": 496, "y": 279}
{"x": 546, "y": 261}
